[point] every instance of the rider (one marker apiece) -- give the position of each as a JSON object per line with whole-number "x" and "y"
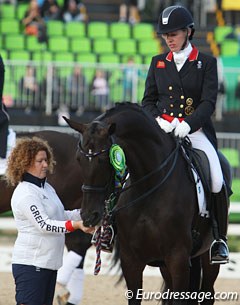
{"x": 4, "y": 119}
{"x": 180, "y": 92}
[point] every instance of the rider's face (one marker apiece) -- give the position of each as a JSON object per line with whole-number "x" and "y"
{"x": 175, "y": 40}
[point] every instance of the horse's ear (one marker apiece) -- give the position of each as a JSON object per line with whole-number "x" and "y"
{"x": 75, "y": 125}
{"x": 111, "y": 129}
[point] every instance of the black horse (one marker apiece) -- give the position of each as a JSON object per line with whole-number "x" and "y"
{"x": 156, "y": 215}
{"x": 66, "y": 179}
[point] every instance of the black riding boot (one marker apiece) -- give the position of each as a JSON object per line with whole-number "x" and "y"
{"x": 3, "y": 138}
{"x": 219, "y": 253}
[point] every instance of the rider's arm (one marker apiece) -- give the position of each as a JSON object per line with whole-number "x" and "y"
{"x": 150, "y": 97}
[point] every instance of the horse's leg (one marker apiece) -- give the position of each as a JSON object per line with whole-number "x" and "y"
{"x": 167, "y": 284}
{"x": 178, "y": 264}
{"x": 195, "y": 278}
{"x": 209, "y": 276}
{"x": 133, "y": 273}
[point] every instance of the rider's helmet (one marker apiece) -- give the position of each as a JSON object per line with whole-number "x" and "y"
{"x": 175, "y": 18}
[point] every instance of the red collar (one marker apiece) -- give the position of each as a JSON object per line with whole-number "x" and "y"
{"x": 192, "y": 56}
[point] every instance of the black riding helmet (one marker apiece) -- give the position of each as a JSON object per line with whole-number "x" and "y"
{"x": 175, "y": 18}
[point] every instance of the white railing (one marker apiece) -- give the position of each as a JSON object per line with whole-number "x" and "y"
{"x": 225, "y": 140}
{"x": 48, "y": 86}
{"x": 55, "y": 87}
{"x": 8, "y": 224}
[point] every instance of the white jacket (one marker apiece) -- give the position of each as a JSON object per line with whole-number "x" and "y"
{"x": 40, "y": 220}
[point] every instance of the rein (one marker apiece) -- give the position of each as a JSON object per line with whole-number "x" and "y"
{"x": 174, "y": 154}
{"x": 110, "y": 208}
{"x": 120, "y": 173}
{"x": 90, "y": 189}
{"x": 113, "y": 210}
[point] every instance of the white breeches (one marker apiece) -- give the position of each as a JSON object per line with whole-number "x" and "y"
{"x": 200, "y": 141}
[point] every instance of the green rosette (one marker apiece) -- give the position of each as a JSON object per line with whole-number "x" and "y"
{"x": 117, "y": 158}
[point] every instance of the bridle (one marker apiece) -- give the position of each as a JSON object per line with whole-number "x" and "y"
{"x": 90, "y": 154}
{"x": 89, "y": 188}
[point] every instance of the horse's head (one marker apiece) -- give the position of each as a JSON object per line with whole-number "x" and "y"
{"x": 97, "y": 172}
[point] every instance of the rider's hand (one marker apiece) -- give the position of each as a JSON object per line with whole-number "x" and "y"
{"x": 182, "y": 130}
{"x": 164, "y": 124}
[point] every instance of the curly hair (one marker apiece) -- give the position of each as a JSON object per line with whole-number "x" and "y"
{"x": 23, "y": 156}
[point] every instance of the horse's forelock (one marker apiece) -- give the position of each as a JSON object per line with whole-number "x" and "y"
{"x": 93, "y": 128}
{"x": 97, "y": 134}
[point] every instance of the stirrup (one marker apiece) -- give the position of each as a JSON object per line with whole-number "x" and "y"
{"x": 107, "y": 245}
{"x": 94, "y": 240}
{"x": 218, "y": 259}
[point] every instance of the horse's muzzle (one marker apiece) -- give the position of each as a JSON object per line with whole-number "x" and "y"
{"x": 92, "y": 219}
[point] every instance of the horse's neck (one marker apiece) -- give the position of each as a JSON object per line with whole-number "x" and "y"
{"x": 144, "y": 143}
{"x": 5, "y": 201}
{"x": 144, "y": 154}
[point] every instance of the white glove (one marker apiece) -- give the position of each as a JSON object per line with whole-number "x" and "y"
{"x": 164, "y": 124}
{"x": 182, "y": 130}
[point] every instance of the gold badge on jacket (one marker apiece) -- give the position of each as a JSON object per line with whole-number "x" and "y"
{"x": 189, "y": 108}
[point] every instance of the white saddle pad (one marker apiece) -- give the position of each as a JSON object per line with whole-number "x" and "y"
{"x": 202, "y": 203}
{"x": 11, "y": 142}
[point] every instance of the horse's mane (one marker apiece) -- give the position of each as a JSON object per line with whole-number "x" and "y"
{"x": 127, "y": 108}
{"x": 123, "y": 107}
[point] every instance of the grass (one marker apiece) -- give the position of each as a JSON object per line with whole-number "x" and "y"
{"x": 10, "y": 237}
{"x": 6, "y": 214}
{"x": 234, "y": 243}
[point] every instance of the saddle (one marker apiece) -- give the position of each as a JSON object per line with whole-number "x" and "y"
{"x": 198, "y": 162}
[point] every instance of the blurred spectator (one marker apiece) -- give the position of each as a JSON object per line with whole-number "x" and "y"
{"x": 219, "y": 4}
{"x": 221, "y": 97}
{"x": 53, "y": 88}
{"x": 34, "y": 23}
{"x": 40, "y": 2}
{"x": 76, "y": 87}
{"x": 237, "y": 90}
{"x": 231, "y": 12}
{"x": 129, "y": 12}
{"x": 50, "y": 10}
{"x": 74, "y": 10}
{"x": 128, "y": 77}
{"x": 29, "y": 89}
{"x": 100, "y": 90}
